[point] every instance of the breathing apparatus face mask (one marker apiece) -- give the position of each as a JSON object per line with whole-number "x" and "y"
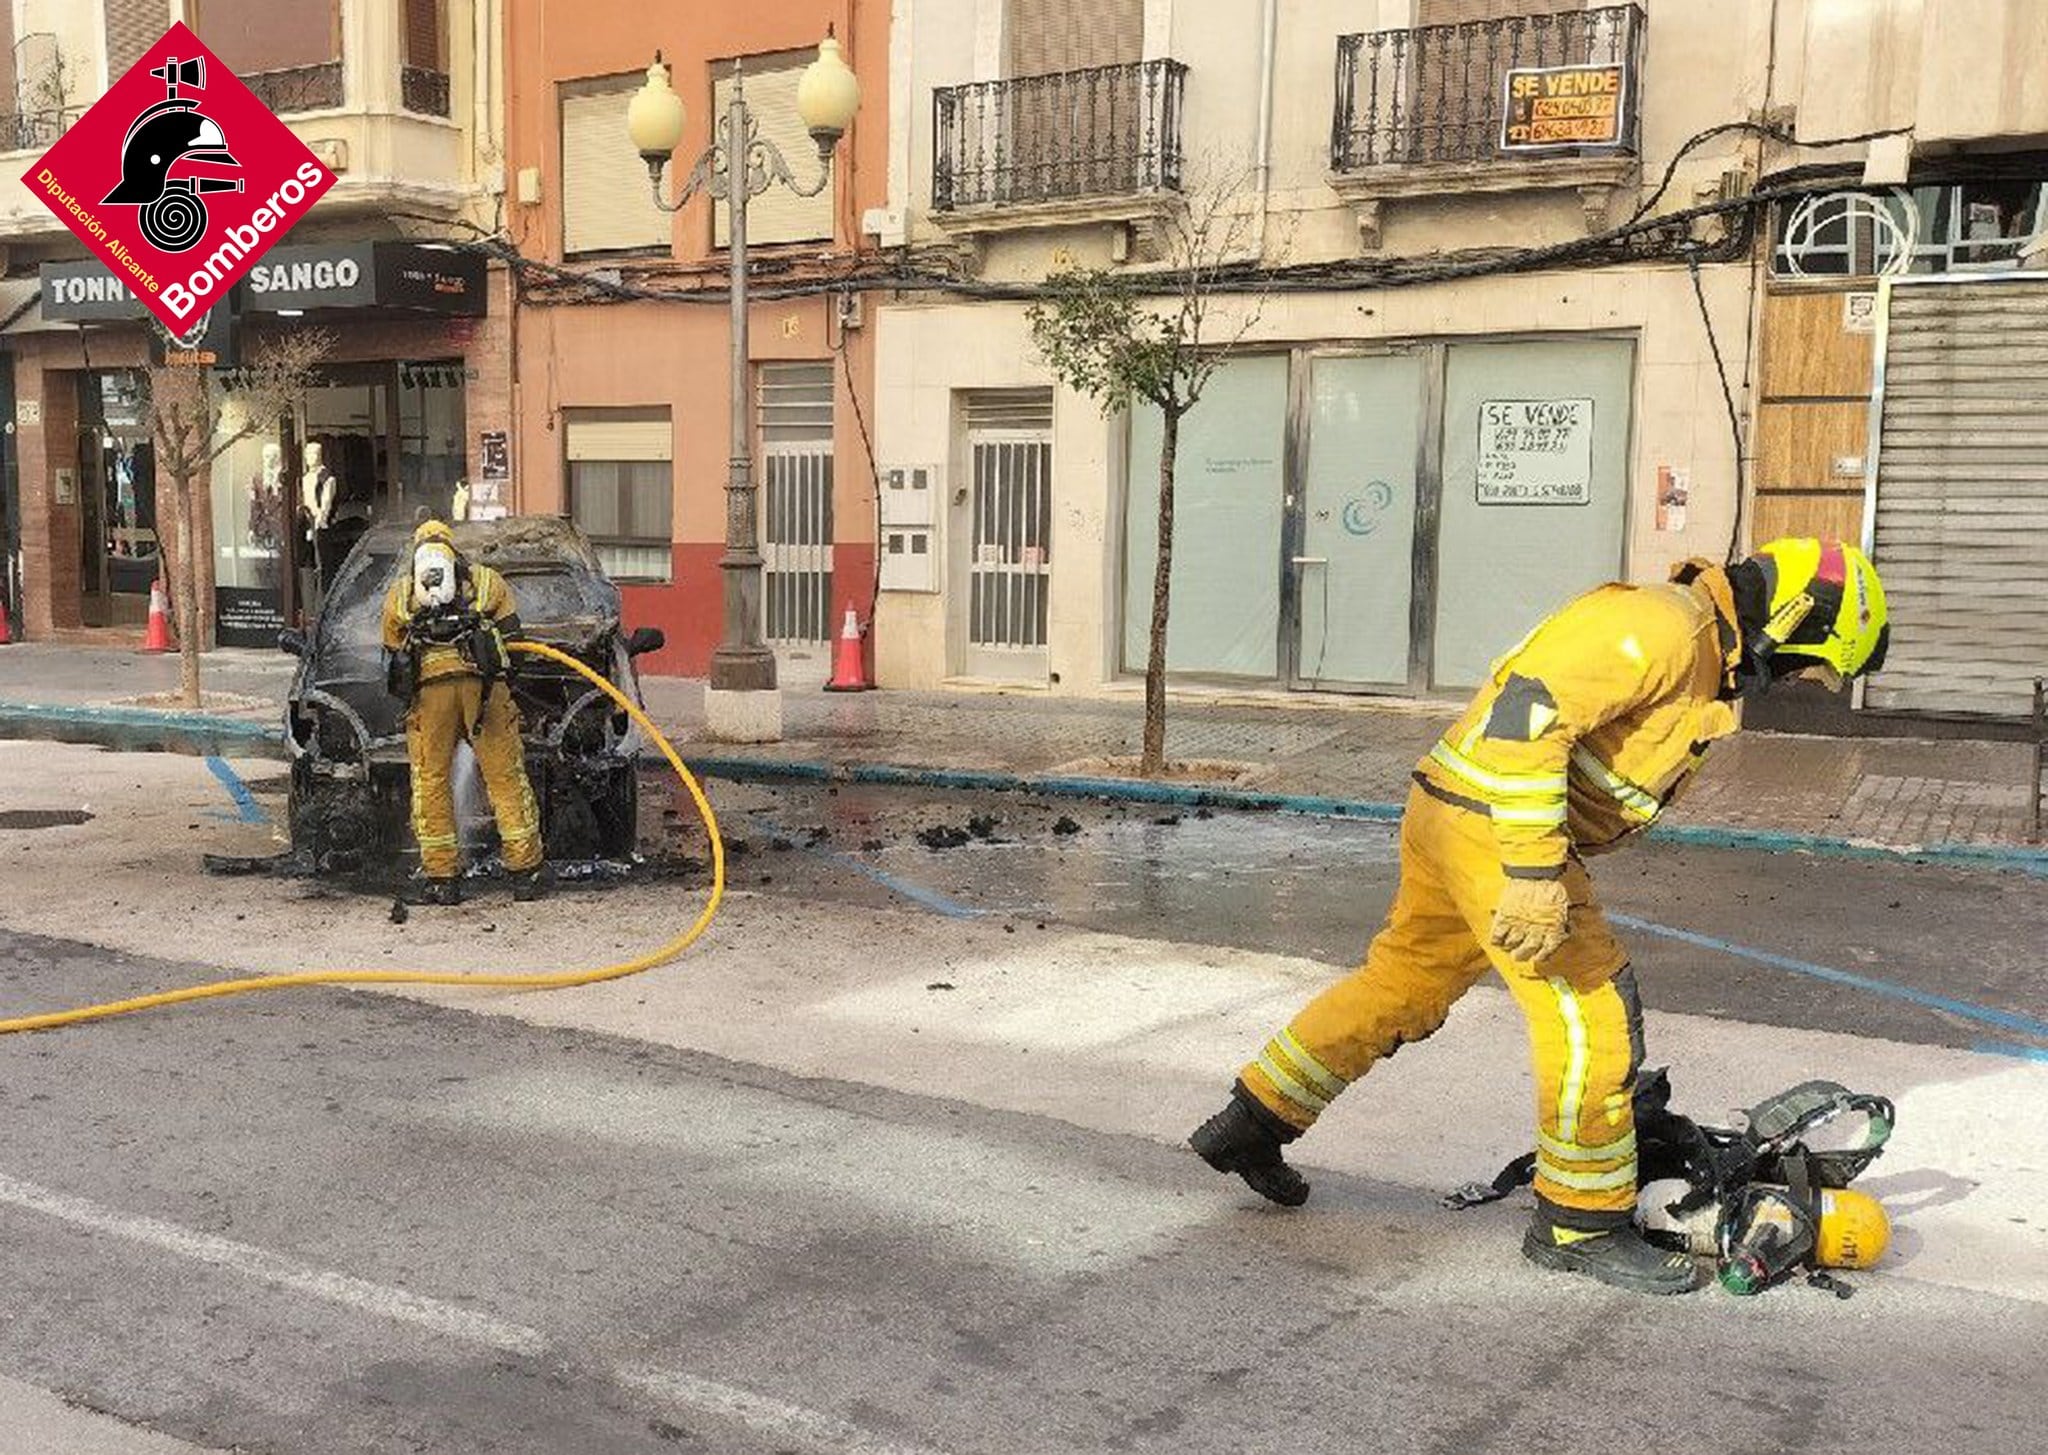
{"x": 433, "y": 576}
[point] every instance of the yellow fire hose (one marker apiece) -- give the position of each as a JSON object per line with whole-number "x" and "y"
{"x": 556, "y": 980}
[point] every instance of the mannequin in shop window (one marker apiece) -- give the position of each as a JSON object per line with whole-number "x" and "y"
{"x": 317, "y": 489}
{"x": 266, "y": 513}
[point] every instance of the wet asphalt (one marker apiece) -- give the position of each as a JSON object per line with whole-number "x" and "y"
{"x": 1884, "y": 946}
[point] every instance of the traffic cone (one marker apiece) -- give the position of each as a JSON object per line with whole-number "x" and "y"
{"x": 159, "y": 638}
{"x": 847, "y": 672}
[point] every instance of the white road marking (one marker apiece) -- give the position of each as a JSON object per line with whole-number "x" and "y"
{"x": 771, "y": 1417}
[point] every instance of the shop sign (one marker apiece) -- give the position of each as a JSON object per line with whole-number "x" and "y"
{"x": 1535, "y": 452}
{"x": 1558, "y": 106}
{"x": 179, "y": 179}
{"x": 398, "y": 275}
{"x": 86, "y": 292}
{"x": 211, "y": 344}
{"x": 247, "y": 616}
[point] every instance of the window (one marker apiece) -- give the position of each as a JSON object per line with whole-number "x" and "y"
{"x": 607, "y": 205}
{"x": 1971, "y": 227}
{"x": 1049, "y": 36}
{"x": 132, "y": 28}
{"x": 778, "y": 215}
{"x": 621, "y": 489}
{"x": 253, "y": 36}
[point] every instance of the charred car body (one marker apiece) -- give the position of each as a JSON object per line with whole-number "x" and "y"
{"x": 351, "y": 783}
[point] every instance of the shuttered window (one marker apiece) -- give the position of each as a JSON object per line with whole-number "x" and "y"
{"x": 253, "y": 36}
{"x": 778, "y": 215}
{"x": 132, "y": 28}
{"x": 1047, "y": 36}
{"x": 621, "y": 487}
{"x": 607, "y": 205}
{"x": 1961, "y": 526}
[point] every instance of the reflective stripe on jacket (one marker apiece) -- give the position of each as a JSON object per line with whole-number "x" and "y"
{"x": 1594, "y": 722}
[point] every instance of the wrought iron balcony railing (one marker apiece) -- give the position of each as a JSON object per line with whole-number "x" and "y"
{"x": 423, "y": 92}
{"x": 1437, "y": 93}
{"x": 1110, "y": 131}
{"x": 298, "y": 88}
{"x": 34, "y": 131}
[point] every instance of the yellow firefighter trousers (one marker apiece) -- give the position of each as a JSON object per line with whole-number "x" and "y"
{"x": 1584, "y": 1030}
{"x": 444, "y": 712}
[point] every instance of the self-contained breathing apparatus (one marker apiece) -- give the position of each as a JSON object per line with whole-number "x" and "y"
{"x": 443, "y": 613}
{"x": 1762, "y": 1198}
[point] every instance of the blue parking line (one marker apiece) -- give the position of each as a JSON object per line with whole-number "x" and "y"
{"x": 2000, "y": 1048}
{"x": 247, "y": 810}
{"x": 917, "y": 894}
{"x": 2004, "y": 1019}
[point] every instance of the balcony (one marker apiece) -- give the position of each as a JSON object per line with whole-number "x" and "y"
{"x": 299, "y": 88}
{"x": 422, "y": 91}
{"x": 1100, "y": 145}
{"x": 1425, "y": 111}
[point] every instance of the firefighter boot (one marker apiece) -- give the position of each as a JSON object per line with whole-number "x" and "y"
{"x": 528, "y": 884}
{"x": 1245, "y": 1138}
{"x": 439, "y": 891}
{"x": 1619, "y": 1257}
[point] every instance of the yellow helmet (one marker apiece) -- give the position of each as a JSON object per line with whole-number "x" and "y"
{"x": 1854, "y": 1229}
{"x": 432, "y": 530}
{"x": 1826, "y": 603}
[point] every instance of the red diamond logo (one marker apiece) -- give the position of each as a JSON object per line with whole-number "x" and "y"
{"x": 179, "y": 179}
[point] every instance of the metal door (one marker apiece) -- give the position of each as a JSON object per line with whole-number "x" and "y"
{"x": 1535, "y": 477}
{"x": 795, "y": 402}
{"x": 1356, "y": 522}
{"x": 1009, "y": 533}
{"x": 1959, "y": 524}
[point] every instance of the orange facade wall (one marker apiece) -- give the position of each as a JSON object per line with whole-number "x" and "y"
{"x": 592, "y": 354}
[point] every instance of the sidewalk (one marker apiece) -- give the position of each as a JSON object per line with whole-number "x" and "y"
{"x": 1897, "y": 792}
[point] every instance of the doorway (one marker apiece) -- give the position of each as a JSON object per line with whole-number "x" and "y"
{"x": 120, "y": 550}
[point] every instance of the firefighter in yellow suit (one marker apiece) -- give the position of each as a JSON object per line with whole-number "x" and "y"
{"x": 446, "y": 622}
{"x": 1584, "y": 733}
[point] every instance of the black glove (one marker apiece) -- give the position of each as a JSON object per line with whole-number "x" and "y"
{"x": 401, "y": 674}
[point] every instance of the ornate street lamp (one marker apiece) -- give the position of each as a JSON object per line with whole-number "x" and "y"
{"x": 741, "y": 164}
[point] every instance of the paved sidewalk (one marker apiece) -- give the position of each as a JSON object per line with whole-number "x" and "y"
{"x": 1901, "y": 792}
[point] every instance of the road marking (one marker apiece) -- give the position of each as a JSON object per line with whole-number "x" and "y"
{"x": 2004, "y": 1019}
{"x": 772, "y": 1417}
{"x": 246, "y": 807}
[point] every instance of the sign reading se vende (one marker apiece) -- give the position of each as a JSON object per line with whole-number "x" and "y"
{"x": 179, "y": 179}
{"x": 1563, "y": 106}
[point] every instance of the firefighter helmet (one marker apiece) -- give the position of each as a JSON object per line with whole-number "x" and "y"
{"x": 167, "y": 133}
{"x": 1826, "y": 604}
{"x": 1854, "y": 1229}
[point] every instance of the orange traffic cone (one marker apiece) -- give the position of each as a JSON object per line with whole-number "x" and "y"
{"x": 159, "y": 638}
{"x": 847, "y": 673}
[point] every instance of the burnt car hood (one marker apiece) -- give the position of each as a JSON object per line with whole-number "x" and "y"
{"x": 563, "y": 595}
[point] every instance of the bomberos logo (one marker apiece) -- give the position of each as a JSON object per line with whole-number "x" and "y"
{"x": 179, "y": 179}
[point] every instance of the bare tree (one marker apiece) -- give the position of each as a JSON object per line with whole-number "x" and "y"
{"x": 195, "y": 419}
{"x": 1116, "y": 336}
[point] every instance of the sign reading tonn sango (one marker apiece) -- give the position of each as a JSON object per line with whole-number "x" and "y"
{"x": 179, "y": 179}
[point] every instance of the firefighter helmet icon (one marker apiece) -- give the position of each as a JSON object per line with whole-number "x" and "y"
{"x": 171, "y": 132}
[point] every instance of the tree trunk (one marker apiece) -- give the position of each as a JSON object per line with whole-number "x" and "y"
{"x": 185, "y": 586}
{"x": 1152, "y": 757}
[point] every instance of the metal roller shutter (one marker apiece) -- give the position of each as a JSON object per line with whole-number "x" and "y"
{"x": 1960, "y": 529}
{"x": 607, "y": 205}
{"x": 781, "y": 214}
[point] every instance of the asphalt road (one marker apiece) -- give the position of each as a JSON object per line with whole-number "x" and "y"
{"x": 890, "y": 1165}
{"x": 335, "y": 1222}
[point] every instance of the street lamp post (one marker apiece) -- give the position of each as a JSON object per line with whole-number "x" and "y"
{"x": 742, "y": 703}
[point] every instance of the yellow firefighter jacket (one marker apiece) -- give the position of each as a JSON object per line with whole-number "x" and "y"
{"x": 1595, "y": 722}
{"x": 487, "y": 593}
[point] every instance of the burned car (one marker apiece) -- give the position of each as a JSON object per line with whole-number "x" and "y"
{"x": 351, "y": 788}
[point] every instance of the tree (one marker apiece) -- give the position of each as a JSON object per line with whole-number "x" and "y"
{"x": 195, "y": 419}
{"x": 1115, "y": 336}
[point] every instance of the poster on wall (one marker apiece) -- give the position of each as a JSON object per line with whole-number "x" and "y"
{"x": 1535, "y": 452}
{"x": 494, "y": 455}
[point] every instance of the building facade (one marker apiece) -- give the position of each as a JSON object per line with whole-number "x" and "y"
{"x": 623, "y": 340}
{"x": 1397, "y": 470}
{"x": 402, "y": 100}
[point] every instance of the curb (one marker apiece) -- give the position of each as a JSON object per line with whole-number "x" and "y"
{"x": 2027, "y": 860}
{"x": 141, "y": 730}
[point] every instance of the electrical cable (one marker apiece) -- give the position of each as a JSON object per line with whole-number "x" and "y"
{"x": 548, "y": 980}
{"x": 1699, "y": 292}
